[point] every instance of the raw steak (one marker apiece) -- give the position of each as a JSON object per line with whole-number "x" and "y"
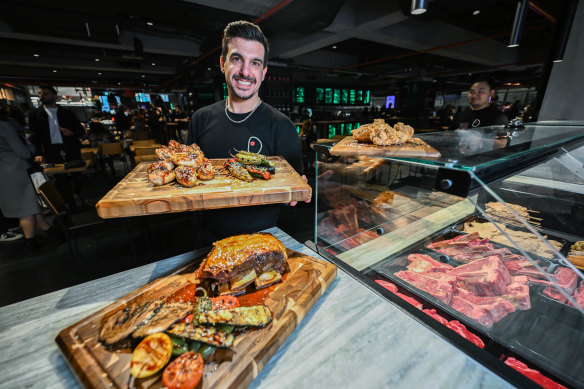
{"x": 421, "y": 263}
{"x": 497, "y": 307}
{"x": 435, "y": 315}
{"x": 579, "y": 295}
{"x": 553, "y": 293}
{"x": 518, "y": 293}
{"x": 532, "y": 374}
{"x": 437, "y": 288}
{"x": 478, "y": 314}
{"x": 461, "y": 239}
{"x": 484, "y": 277}
{"x": 567, "y": 279}
{"x": 387, "y": 285}
{"x": 461, "y": 330}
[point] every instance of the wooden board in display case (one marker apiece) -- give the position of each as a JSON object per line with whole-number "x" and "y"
{"x": 134, "y": 195}
{"x": 349, "y": 146}
{"x": 289, "y": 301}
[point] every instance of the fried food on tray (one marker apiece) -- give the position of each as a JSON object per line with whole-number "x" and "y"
{"x": 237, "y": 261}
{"x": 382, "y": 134}
{"x": 160, "y": 173}
{"x": 186, "y": 176}
{"x": 206, "y": 171}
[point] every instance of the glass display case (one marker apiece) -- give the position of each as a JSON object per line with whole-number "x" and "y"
{"x": 486, "y": 240}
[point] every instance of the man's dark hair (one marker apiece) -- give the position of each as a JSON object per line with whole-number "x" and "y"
{"x": 245, "y": 30}
{"x": 489, "y": 80}
{"x": 49, "y": 88}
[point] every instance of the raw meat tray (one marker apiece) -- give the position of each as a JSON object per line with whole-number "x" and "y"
{"x": 512, "y": 331}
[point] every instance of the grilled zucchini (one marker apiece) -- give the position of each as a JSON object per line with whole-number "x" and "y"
{"x": 256, "y": 316}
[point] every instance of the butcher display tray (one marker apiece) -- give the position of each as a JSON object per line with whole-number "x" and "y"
{"x": 349, "y": 146}
{"x": 134, "y": 195}
{"x": 546, "y": 340}
{"x": 289, "y": 301}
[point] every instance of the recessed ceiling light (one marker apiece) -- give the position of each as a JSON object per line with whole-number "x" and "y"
{"x": 36, "y": 55}
{"x": 97, "y": 60}
{"x": 470, "y": 74}
{"x": 150, "y": 23}
{"x": 54, "y": 71}
{"x": 476, "y": 12}
{"x": 334, "y": 47}
{"x": 119, "y": 83}
{"x": 99, "y": 73}
{"x": 143, "y": 76}
{"x": 153, "y": 64}
{"x": 557, "y": 60}
{"x": 208, "y": 68}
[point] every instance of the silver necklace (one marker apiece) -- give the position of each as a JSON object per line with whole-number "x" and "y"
{"x": 245, "y": 118}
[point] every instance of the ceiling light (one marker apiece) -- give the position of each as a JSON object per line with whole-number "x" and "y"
{"x": 97, "y": 60}
{"x": 334, "y": 47}
{"x": 143, "y": 76}
{"x": 150, "y": 23}
{"x": 419, "y": 6}
{"x": 518, "y": 23}
{"x": 208, "y": 68}
{"x": 565, "y": 26}
{"x": 476, "y": 12}
{"x": 153, "y": 64}
{"x": 119, "y": 83}
{"x": 54, "y": 71}
{"x": 36, "y": 55}
{"x": 99, "y": 73}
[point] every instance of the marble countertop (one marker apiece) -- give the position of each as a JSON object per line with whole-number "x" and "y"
{"x": 351, "y": 338}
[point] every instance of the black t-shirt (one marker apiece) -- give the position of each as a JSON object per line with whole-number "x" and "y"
{"x": 489, "y": 116}
{"x": 267, "y": 131}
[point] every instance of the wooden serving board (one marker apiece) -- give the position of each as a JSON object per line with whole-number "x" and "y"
{"x": 134, "y": 195}
{"x": 289, "y": 301}
{"x": 351, "y": 147}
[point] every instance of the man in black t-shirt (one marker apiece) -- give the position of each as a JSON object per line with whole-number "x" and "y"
{"x": 481, "y": 112}
{"x": 242, "y": 122}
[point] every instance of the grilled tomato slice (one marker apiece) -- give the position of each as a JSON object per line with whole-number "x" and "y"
{"x": 150, "y": 356}
{"x": 185, "y": 372}
{"x": 224, "y": 302}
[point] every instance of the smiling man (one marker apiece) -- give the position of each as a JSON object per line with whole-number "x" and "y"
{"x": 242, "y": 122}
{"x": 481, "y": 112}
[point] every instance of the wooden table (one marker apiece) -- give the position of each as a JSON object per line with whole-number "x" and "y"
{"x": 352, "y": 338}
{"x": 59, "y": 168}
{"x": 133, "y": 148}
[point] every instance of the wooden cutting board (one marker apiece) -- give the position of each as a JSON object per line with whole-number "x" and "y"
{"x": 134, "y": 195}
{"x": 350, "y": 147}
{"x": 289, "y": 301}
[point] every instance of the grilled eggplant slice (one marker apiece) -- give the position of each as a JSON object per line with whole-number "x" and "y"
{"x": 256, "y": 316}
{"x": 164, "y": 318}
{"x": 208, "y": 335}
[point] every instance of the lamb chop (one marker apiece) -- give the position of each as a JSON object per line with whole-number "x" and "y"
{"x": 239, "y": 260}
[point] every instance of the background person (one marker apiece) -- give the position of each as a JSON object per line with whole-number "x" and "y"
{"x": 55, "y": 130}
{"x": 18, "y": 197}
{"x": 242, "y": 122}
{"x": 481, "y": 113}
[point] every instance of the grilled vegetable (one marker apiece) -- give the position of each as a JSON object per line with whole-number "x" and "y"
{"x": 249, "y": 158}
{"x": 237, "y": 170}
{"x": 242, "y": 280}
{"x": 208, "y": 335}
{"x": 258, "y": 172}
{"x": 224, "y": 302}
{"x": 256, "y": 316}
{"x": 185, "y": 372}
{"x": 179, "y": 346}
{"x": 151, "y": 355}
{"x": 206, "y": 351}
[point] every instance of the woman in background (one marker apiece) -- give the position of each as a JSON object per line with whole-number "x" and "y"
{"x": 18, "y": 197}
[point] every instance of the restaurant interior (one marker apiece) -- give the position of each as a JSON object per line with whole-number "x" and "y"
{"x": 338, "y": 64}
{"x": 133, "y": 73}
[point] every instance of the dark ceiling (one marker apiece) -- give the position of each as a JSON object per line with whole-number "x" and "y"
{"x": 174, "y": 44}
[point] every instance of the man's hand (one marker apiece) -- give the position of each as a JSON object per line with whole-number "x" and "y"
{"x": 293, "y": 203}
{"x": 66, "y": 131}
{"x": 39, "y": 159}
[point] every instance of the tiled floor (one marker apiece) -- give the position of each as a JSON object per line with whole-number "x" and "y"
{"x": 112, "y": 246}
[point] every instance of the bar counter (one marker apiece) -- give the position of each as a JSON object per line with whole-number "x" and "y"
{"x": 351, "y": 338}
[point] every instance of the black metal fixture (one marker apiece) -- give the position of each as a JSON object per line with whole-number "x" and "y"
{"x": 520, "y": 15}
{"x": 563, "y": 33}
{"x": 419, "y": 6}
